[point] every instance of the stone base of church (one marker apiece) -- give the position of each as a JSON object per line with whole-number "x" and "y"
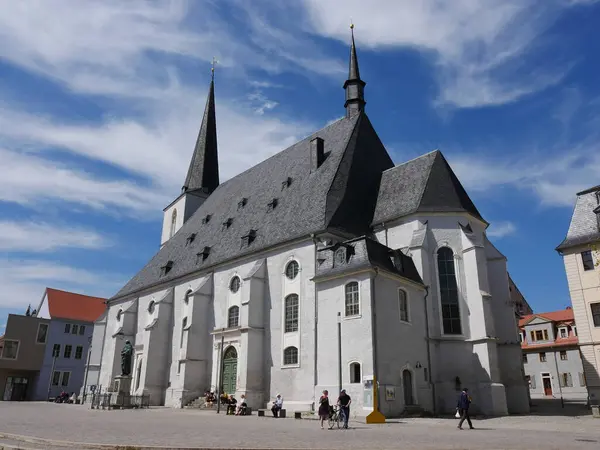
{"x": 594, "y": 395}
{"x": 517, "y": 399}
{"x": 491, "y": 399}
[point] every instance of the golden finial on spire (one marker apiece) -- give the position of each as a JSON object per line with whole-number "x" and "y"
{"x": 212, "y": 69}
{"x": 351, "y": 25}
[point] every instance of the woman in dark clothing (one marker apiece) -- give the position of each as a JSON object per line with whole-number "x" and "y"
{"x": 324, "y": 407}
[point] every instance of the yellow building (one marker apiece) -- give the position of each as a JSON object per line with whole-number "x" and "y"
{"x": 581, "y": 253}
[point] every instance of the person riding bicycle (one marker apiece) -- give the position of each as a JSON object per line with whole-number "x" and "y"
{"x": 343, "y": 402}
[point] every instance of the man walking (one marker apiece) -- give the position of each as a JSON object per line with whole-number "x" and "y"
{"x": 344, "y": 401}
{"x": 464, "y": 401}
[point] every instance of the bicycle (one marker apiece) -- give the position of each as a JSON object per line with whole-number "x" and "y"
{"x": 334, "y": 417}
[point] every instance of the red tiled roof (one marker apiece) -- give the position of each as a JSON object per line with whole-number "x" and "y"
{"x": 71, "y": 306}
{"x": 564, "y": 315}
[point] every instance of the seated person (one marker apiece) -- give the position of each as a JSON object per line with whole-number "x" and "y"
{"x": 231, "y": 405}
{"x": 277, "y": 405}
{"x": 209, "y": 398}
{"x": 241, "y": 409}
{"x": 73, "y": 398}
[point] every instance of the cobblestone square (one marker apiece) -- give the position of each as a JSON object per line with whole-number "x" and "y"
{"x": 205, "y": 429}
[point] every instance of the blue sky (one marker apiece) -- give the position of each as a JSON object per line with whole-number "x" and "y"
{"x": 100, "y": 103}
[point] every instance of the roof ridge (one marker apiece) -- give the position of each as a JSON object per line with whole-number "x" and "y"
{"x": 283, "y": 150}
{"x": 75, "y": 293}
{"x": 413, "y": 159}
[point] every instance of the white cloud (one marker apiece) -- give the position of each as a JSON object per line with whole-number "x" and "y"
{"x": 45, "y": 237}
{"x": 553, "y": 175}
{"x": 24, "y": 282}
{"x": 501, "y": 229}
{"x": 479, "y": 47}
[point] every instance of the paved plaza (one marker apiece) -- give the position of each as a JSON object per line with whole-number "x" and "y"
{"x": 205, "y": 429}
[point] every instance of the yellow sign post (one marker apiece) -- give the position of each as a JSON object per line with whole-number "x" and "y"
{"x": 375, "y": 416}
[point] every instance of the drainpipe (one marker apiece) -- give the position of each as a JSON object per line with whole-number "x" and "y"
{"x": 316, "y": 331}
{"x": 374, "y": 335}
{"x": 431, "y": 383}
{"x": 562, "y": 401}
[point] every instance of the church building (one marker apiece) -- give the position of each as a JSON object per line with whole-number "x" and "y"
{"x": 256, "y": 275}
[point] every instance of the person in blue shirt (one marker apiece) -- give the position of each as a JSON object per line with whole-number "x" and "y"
{"x": 464, "y": 401}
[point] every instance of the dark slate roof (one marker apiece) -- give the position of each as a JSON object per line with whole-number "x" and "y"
{"x": 424, "y": 184}
{"x": 585, "y": 226}
{"x": 328, "y": 198}
{"x": 203, "y": 173}
{"x": 364, "y": 253}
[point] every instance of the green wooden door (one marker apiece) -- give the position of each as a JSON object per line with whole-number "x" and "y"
{"x": 229, "y": 371}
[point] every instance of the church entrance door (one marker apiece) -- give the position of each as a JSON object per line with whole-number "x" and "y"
{"x": 408, "y": 388}
{"x": 229, "y": 370}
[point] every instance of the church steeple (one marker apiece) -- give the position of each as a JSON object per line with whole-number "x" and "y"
{"x": 354, "y": 86}
{"x": 203, "y": 173}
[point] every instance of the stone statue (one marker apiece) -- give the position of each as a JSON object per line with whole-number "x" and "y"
{"x": 126, "y": 355}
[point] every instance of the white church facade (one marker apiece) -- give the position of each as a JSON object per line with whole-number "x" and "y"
{"x": 254, "y": 275}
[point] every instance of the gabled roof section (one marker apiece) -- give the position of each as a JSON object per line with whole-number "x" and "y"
{"x": 564, "y": 315}
{"x": 585, "y": 224}
{"x": 424, "y": 184}
{"x": 306, "y": 205}
{"x": 364, "y": 253}
{"x": 71, "y": 306}
{"x": 203, "y": 173}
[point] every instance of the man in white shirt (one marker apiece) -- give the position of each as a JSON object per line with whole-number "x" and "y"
{"x": 277, "y": 405}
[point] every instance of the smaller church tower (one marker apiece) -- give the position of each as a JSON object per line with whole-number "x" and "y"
{"x": 354, "y": 86}
{"x": 203, "y": 174}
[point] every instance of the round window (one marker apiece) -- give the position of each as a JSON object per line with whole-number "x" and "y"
{"x": 292, "y": 269}
{"x": 234, "y": 286}
{"x": 151, "y": 307}
{"x": 340, "y": 256}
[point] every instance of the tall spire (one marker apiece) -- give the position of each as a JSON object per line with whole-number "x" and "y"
{"x": 354, "y": 86}
{"x": 203, "y": 173}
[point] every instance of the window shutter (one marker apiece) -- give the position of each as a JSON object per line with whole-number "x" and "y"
{"x": 569, "y": 380}
{"x": 532, "y": 381}
{"x": 561, "y": 379}
{"x": 581, "y": 379}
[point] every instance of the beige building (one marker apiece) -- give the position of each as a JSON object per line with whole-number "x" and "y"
{"x": 582, "y": 264}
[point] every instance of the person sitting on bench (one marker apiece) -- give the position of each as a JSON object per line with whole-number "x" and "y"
{"x": 277, "y": 405}
{"x": 242, "y": 407}
{"x": 231, "y": 402}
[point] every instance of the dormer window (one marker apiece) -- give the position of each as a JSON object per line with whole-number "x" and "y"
{"x": 206, "y": 219}
{"x": 273, "y": 204}
{"x": 286, "y": 183}
{"x": 249, "y": 238}
{"x": 203, "y": 255}
{"x": 563, "y": 332}
{"x": 339, "y": 256}
{"x": 190, "y": 238}
{"x": 227, "y": 223}
{"x": 242, "y": 203}
{"x": 164, "y": 270}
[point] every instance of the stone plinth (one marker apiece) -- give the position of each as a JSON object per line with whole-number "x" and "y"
{"x": 120, "y": 396}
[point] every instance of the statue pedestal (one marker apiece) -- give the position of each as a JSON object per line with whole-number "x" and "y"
{"x": 121, "y": 394}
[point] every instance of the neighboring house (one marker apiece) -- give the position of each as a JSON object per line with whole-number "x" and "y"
{"x": 266, "y": 261}
{"x": 517, "y": 299}
{"x": 551, "y": 357}
{"x": 69, "y": 336}
{"x": 21, "y": 355}
{"x": 581, "y": 257}
{"x": 94, "y": 363}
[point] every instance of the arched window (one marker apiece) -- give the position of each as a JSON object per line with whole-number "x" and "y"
{"x": 448, "y": 291}
{"x": 234, "y": 284}
{"x": 290, "y": 356}
{"x": 151, "y": 306}
{"x": 119, "y": 315}
{"x": 183, "y": 325}
{"x": 352, "y": 299}
{"x": 291, "y": 313}
{"x": 233, "y": 318}
{"x": 292, "y": 269}
{"x": 138, "y": 374}
{"x": 173, "y": 223}
{"x": 403, "y": 305}
{"x": 355, "y": 373}
{"x": 186, "y": 299}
